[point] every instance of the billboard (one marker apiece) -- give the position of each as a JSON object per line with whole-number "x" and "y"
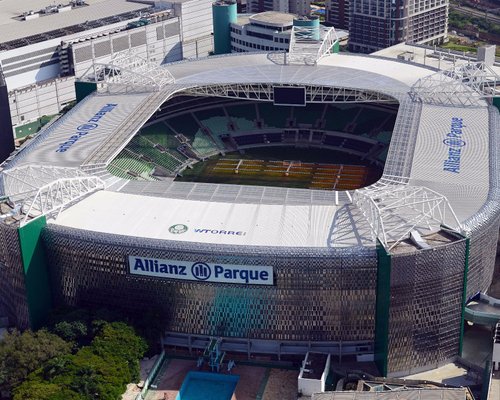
{"x": 201, "y": 271}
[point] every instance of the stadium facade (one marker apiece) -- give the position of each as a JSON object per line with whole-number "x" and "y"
{"x": 380, "y": 271}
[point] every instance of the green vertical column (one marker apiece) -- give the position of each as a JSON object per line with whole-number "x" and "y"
{"x": 223, "y": 15}
{"x": 464, "y": 295}
{"x": 35, "y": 269}
{"x": 382, "y": 309}
{"x": 83, "y": 89}
{"x": 496, "y": 102}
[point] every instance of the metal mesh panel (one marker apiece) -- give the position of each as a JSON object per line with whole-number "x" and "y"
{"x": 12, "y": 289}
{"x": 83, "y": 54}
{"x": 404, "y": 136}
{"x": 484, "y": 224}
{"x": 171, "y": 29}
{"x": 483, "y": 244}
{"x": 319, "y": 295}
{"x": 425, "y": 308}
{"x": 102, "y": 48}
{"x": 136, "y": 39}
{"x": 120, "y": 44}
{"x": 159, "y": 33}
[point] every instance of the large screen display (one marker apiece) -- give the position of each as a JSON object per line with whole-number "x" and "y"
{"x": 289, "y": 96}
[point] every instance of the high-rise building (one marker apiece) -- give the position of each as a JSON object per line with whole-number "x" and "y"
{"x": 300, "y": 7}
{"x": 376, "y": 24}
{"x": 337, "y": 13}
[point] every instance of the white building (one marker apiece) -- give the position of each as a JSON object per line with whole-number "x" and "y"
{"x": 42, "y": 52}
{"x": 267, "y": 31}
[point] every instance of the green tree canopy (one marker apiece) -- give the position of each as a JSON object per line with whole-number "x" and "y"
{"x": 22, "y": 353}
{"x": 98, "y": 371}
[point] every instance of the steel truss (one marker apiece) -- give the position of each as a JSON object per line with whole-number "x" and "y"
{"x": 309, "y": 44}
{"x": 128, "y": 72}
{"x": 393, "y": 209}
{"x": 464, "y": 85}
{"x": 43, "y": 190}
{"x": 314, "y": 94}
{"x": 56, "y": 195}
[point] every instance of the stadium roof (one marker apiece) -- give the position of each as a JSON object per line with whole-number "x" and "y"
{"x": 341, "y": 71}
{"x": 208, "y": 222}
{"x": 360, "y": 71}
{"x": 422, "y": 154}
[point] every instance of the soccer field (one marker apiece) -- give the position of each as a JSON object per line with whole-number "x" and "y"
{"x": 292, "y": 173}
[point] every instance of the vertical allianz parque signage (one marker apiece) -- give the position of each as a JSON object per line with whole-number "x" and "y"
{"x": 201, "y": 271}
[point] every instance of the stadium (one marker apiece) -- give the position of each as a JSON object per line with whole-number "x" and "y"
{"x": 346, "y": 204}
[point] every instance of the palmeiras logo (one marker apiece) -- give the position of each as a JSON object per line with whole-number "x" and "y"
{"x": 178, "y": 228}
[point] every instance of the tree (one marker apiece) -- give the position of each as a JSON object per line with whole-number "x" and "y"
{"x": 100, "y": 370}
{"x": 75, "y": 331}
{"x": 23, "y": 353}
{"x": 118, "y": 339}
{"x": 39, "y": 390}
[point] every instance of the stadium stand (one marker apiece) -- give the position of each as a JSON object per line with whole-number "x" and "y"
{"x": 273, "y": 116}
{"x": 128, "y": 165}
{"x": 243, "y": 116}
{"x": 338, "y": 116}
{"x": 367, "y": 119}
{"x": 204, "y": 145}
{"x": 184, "y": 124}
{"x": 141, "y": 145}
{"x": 179, "y": 137}
{"x": 216, "y": 125}
{"x": 308, "y": 115}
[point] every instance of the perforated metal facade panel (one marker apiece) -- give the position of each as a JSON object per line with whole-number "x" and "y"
{"x": 12, "y": 288}
{"x": 425, "y": 307}
{"x": 322, "y": 295}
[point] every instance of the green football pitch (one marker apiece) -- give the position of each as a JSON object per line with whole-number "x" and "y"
{"x": 285, "y": 167}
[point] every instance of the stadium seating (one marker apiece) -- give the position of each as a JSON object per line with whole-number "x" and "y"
{"x": 240, "y": 113}
{"x": 162, "y": 137}
{"x": 142, "y": 146}
{"x": 127, "y": 165}
{"x": 273, "y": 116}
{"x": 217, "y": 125}
{"x": 308, "y": 115}
{"x": 157, "y": 133}
{"x": 184, "y": 124}
{"x": 382, "y": 156}
{"x": 337, "y": 117}
{"x": 242, "y": 124}
{"x": 193, "y": 127}
{"x": 203, "y": 145}
{"x": 384, "y": 137}
{"x": 367, "y": 120}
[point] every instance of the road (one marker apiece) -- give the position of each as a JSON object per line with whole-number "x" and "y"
{"x": 476, "y": 13}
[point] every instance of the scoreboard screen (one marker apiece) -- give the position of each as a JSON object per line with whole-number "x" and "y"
{"x": 289, "y": 96}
